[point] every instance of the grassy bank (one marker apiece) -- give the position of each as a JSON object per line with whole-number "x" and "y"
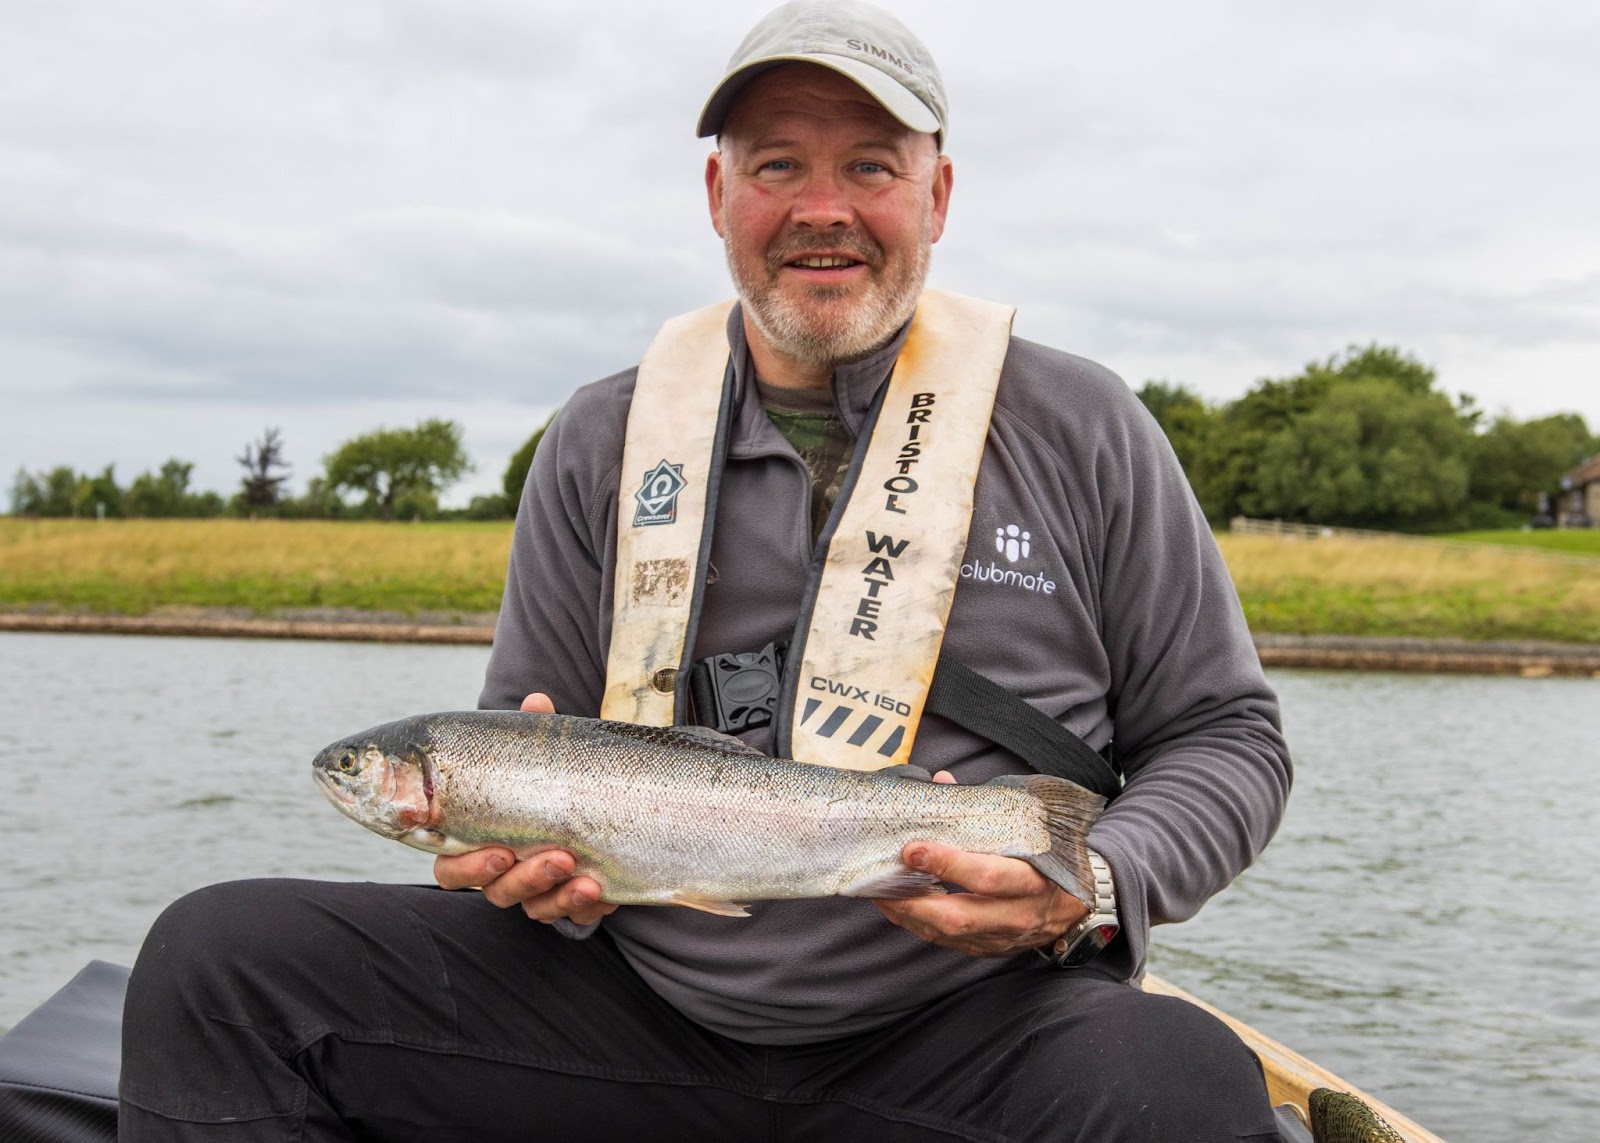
{"x": 131, "y": 567}
{"x": 1573, "y": 541}
{"x": 1316, "y": 587}
{"x": 1375, "y": 587}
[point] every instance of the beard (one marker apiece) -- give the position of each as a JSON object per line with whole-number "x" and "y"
{"x": 827, "y": 325}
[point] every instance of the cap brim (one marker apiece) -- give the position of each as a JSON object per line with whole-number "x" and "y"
{"x": 894, "y": 98}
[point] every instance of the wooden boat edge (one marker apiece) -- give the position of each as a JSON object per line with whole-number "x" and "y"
{"x": 1291, "y": 1077}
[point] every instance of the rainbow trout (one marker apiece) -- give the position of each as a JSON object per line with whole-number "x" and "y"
{"x": 687, "y": 816}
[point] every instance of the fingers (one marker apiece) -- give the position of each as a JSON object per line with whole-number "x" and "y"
{"x": 470, "y": 870}
{"x": 542, "y": 885}
{"x": 531, "y": 877}
{"x": 538, "y": 703}
{"x": 979, "y": 873}
{"x": 945, "y": 778}
{"x": 1010, "y": 907}
{"x": 956, "y": 922}
{"x": 578, "y": 900}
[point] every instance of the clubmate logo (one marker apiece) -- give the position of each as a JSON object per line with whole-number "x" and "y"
{"x": 658, "y": 495}
{"x": 1012, "y": 542}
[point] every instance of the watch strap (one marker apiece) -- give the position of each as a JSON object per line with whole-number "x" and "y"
{"x": 1083, "y": 942}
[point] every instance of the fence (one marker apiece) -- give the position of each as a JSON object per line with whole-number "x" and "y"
{"x": 1288, "y": 530}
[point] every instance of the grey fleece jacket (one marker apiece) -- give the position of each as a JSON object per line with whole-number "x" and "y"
{"x": 1091, "y": 587}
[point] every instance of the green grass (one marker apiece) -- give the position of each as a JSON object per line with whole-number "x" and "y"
{"x": 133, "y": 567}
{"x": 1574, "y": 541}
{"x": 1323, "y": 586}
{"x": 1339, "y": 586}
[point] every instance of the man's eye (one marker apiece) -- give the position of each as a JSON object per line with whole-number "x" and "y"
{"x": 778, "y": 165}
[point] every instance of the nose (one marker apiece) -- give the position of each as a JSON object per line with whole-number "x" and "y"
{"x": 823, "y": 201}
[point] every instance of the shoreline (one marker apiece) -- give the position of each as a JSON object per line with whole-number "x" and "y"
{"x": 335, "y": 624}
{"x": 1527, "y": 659}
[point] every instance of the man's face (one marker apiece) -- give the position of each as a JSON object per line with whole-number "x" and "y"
{"x": 827, "y": 206}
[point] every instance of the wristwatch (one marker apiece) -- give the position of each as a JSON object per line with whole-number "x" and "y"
{"x": 1083, "y": 942}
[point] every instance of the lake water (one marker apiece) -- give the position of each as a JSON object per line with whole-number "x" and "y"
{"x": 1427, "y": 923}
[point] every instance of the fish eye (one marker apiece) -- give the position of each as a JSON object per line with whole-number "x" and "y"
{"x": 347, "y": 761}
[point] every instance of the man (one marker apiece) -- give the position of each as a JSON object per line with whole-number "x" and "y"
{"x": 1089, "y": 586}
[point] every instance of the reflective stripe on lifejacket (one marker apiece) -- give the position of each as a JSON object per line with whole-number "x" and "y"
{"x": 874, "y": 615}
{"x": 666, "y": 497}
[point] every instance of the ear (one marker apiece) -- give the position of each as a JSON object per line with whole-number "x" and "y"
{"x": 714, "y": 190}
{"x": 943, "y": 180}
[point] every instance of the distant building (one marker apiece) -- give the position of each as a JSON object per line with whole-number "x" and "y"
{"x": 1578, "y": 505}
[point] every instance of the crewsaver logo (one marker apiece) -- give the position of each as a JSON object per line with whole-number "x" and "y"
{"x": 1013, "y": 543}
{"x": 658, "y": 495}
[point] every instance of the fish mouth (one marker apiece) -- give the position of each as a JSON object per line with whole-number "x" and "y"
{"x": 335, "y": 790}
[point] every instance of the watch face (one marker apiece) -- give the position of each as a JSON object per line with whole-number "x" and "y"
{"x": 1088, "y": 944}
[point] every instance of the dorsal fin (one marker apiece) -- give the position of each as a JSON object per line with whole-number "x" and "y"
{"x": 907, "y": 770}
{"x": 682, "y": 737}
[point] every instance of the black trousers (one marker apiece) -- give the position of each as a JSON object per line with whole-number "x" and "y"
{"x": 294, "y": 1010}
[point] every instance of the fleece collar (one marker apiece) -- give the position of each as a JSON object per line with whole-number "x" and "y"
{"x": 854, "y": 387}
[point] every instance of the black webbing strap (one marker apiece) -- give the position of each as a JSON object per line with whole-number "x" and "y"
{"x": 981, "y": 705}
{"x": 731, "y": 693}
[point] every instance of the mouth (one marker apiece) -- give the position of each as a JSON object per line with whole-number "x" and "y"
{"x": 817, "y": 259}
{"x": 825, "y": 269}
{"x": 336, "y": 792}
{"x": 824, "y": 262}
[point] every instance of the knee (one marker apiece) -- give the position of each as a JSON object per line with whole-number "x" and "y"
{"x": 1141, "y": 1066}
{"x": 209, "y": 929}
{"x": 1187, "y": 1042}
{"x": 204, "y": 1012}
{"x": 216, "y": 918}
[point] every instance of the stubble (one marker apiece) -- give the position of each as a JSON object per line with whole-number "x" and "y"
{"x": 811, "y": 327}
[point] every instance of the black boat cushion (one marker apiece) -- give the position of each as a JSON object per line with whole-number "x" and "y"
{"x": 59, "y": 1065}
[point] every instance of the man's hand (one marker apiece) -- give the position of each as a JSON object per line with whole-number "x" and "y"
{"x": 1009, "y": 905}
{"x": 542, "y": 883}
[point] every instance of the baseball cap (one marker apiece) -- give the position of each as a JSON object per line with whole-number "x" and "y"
{"x": 859, "y": 41}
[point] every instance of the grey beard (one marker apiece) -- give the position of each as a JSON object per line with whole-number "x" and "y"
{"x": 869, "y": 326}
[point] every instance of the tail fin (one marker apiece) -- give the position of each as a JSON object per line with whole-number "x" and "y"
{"x": 1069, "y": 811}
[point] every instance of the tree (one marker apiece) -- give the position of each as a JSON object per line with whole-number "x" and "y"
{"x": 1364, "y": 363}
{"x": 26, "y": 494}
{"x": 1375, "y": 454}
{"x": 391, "y": 465}
{"x": 166, "y": 494}
{"x": 160, "y": 494}
{"x": 516, "y": 474}
{"x": 53, "y": 493}
{"x": 1362, "y": 439}
{"x": 319, "y": 502}
{"x": 1514, "y": 462}
{"x": 1190, "y": 425}
{"x": 98, "y": 496}
{"x": 262, "y": 487}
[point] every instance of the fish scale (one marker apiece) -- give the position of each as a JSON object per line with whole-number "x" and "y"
{"x": 686, "y": 816}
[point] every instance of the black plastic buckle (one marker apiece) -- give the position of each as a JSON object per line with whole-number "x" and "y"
{"x": 737, "y": 691}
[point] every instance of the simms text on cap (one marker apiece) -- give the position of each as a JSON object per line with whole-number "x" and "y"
{"x": 859, "y": 41}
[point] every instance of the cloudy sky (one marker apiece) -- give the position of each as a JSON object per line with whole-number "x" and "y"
{"x": 330, "y": 215}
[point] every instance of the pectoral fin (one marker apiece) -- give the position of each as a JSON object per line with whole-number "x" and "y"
{"x": 720, "y": 908}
